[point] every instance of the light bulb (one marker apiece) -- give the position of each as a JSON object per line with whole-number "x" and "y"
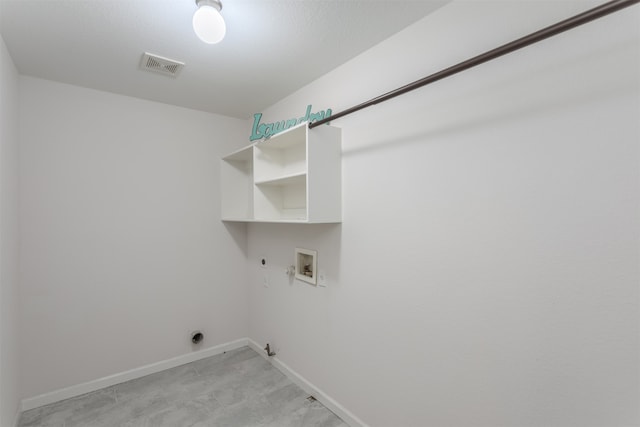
{"x": 208, "y": 24}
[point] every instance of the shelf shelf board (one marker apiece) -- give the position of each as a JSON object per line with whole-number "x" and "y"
{"x": 289, "y": 179}
{"x": 285, "y": 139}
{"x": 241, "y": 155}
{"x": 282, "y": 221}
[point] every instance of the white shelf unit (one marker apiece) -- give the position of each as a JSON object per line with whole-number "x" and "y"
{"x": 236, "y": 176}
{"x": 295, "y": 176}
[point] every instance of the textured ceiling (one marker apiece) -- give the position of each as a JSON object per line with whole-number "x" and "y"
{"x": 271, "y": 49}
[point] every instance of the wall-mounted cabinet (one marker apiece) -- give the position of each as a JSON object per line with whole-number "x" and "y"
{"x": 295, "y": 176}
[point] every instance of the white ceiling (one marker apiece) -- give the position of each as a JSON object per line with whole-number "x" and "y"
{"x": 272, "y": 47}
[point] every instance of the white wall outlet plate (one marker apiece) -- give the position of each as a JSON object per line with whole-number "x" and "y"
{"x": 322, "y": 278}
{"x": 306, "y": 262}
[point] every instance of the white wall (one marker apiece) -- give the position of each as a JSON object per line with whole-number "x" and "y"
{"x": 9, "y": 356}
{"x": 486, "y": 272}
{"x": 122, "y": 248}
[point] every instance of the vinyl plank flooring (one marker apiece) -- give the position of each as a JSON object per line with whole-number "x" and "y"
{"x": 235, "y": 389}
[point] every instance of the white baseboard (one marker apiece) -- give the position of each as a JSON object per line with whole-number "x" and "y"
{"x": 301, "y": 382}
{"x": 79, "y": 389}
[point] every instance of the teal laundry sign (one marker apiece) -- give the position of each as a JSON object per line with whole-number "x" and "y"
{"x": 265, "y": 130}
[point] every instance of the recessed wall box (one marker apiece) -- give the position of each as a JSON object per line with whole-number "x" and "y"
{"x": 306, "y": 265}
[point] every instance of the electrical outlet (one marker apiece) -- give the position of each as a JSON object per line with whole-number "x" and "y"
{"x": 322, "y": 278}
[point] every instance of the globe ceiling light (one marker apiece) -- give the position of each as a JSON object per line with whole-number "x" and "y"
{"x": 208, "y": 23}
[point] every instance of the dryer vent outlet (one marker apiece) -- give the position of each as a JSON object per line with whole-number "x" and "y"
{"x": 197, "y": 337}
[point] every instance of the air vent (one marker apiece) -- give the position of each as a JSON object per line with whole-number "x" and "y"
{"x": 161, "y": 65}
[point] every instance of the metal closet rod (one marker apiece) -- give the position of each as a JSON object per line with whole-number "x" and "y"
{"x": 552, "y": 30}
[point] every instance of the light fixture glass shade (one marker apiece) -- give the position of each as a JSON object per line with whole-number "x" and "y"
{"x": 209, "y": 24}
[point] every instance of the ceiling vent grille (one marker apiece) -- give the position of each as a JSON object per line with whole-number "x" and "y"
{"x": 161, "y": 65}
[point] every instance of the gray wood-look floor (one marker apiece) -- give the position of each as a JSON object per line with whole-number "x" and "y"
{"x": 237, "y": 388}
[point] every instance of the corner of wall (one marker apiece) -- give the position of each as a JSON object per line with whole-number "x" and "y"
{"x": 9, "y": 358}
